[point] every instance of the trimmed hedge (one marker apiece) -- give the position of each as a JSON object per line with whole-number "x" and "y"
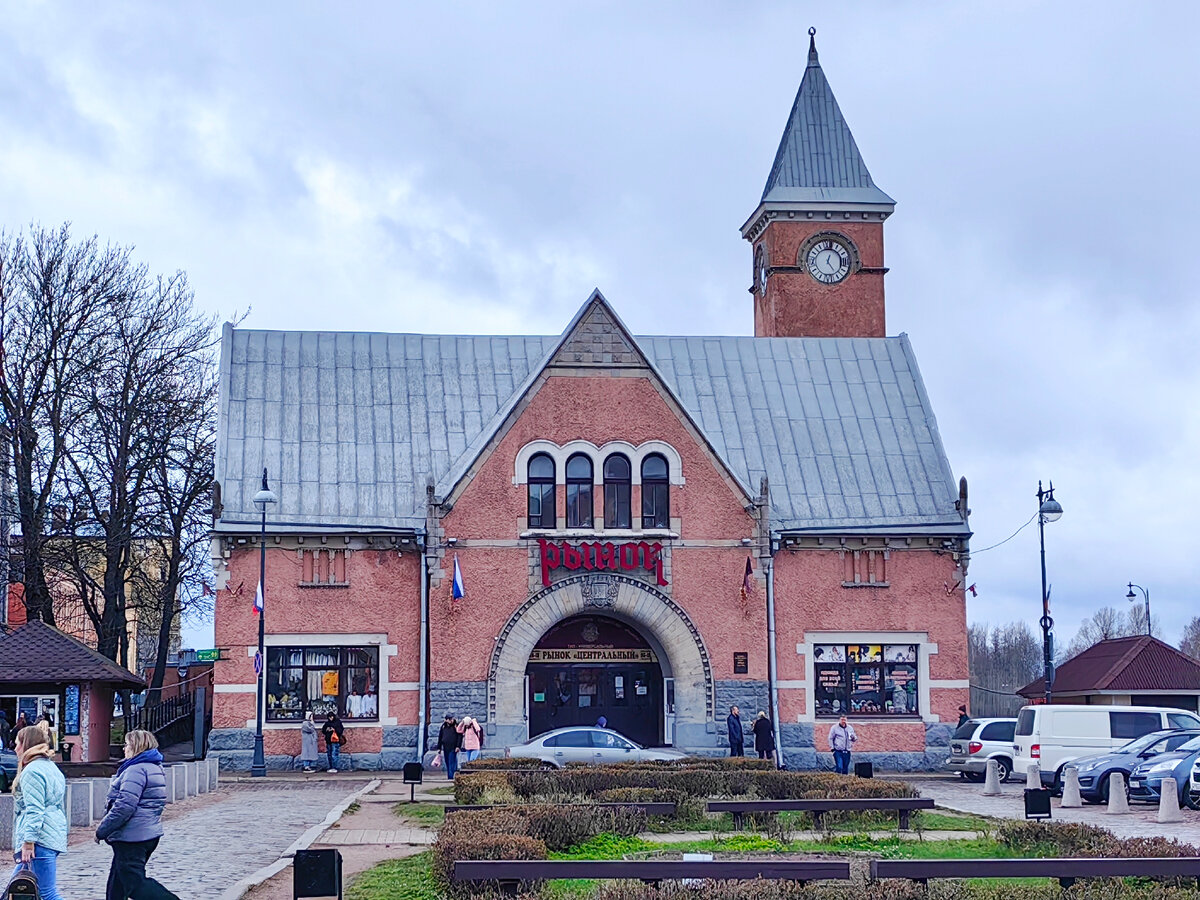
{"x": 448, "y": 849}
{"x": 1078, "y": 839}
{"x": 889, "y": 890}
{"x": 720, "y": 763}
{"x": 698, "y": 782}
{"x": 560, "y": 827}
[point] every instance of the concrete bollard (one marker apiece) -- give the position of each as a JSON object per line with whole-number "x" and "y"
{"x": 100, "y": 788}
{"x": 191, "y": 772}
{"x": 202, "y": 776}
{"x": 1071, "y": 798}
{"x": 79, "y": 804}
{"x": 991, "y": 784}
{"x": 169, "y": 775}
{"x": 6, "y": 821}
{"x": 1168, "y": 802}
{"x": 214, "y": 773}
{"x": 1118, "y": 801}
{"x": 1033, "y": 776}
{"x": 180, "y": 782}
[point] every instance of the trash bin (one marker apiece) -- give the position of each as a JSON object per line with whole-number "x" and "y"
{"x": 66, "y": 752}
{"x": 864, "y": 770}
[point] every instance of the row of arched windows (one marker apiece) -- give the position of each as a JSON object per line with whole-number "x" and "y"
{"x": 618, "y": 492}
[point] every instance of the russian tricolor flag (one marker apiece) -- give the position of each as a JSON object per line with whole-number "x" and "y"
{"x": 457, "y": 591}
{"x": 258, "y": 599}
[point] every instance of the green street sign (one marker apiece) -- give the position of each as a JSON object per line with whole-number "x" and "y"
{"x": 208, "y": 656}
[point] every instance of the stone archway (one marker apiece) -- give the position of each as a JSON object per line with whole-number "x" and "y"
{"x": 639, "y": 604}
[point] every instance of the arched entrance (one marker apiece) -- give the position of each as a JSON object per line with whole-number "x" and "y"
{"x": 588, "y": 667}
{"x": 659, "y": 620}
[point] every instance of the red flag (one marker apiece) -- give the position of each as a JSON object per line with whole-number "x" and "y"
{"x": 748, "y": 587}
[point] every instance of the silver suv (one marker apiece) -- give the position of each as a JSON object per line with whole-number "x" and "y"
{"x": 978, "y": 740}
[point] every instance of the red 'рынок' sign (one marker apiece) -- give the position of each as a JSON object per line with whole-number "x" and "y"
{"x": 601, "y": 555}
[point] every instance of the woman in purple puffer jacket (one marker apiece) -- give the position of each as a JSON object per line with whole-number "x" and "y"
{"x": 133, "y": 824}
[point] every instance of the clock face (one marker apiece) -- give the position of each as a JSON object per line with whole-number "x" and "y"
{"x": 760, "y": 272}
{"x": 828, "y": 261}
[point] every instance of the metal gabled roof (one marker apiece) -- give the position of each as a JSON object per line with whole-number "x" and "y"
{"x": 818, "y": 160}
{"x": 352, "y": 426}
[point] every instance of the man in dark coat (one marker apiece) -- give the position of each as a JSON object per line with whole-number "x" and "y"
{"x": 335, "y": 738}
{"x": 737, "y": 741}
{"x": 764, "y": 736}
{"x": 448, "y": 741}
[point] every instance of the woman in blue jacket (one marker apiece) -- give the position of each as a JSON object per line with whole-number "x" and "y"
{"x": 39, "y": 810}
{"x": 133, "y": 824}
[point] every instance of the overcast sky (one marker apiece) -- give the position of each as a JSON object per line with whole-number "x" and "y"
{"x": 475, "y": 167}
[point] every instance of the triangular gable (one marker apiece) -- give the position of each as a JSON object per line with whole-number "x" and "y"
{"x": 596, "y": 336}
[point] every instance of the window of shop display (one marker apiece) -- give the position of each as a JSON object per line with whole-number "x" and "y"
{"x": 865, "y": 679}
{"x": 322, "y": 680}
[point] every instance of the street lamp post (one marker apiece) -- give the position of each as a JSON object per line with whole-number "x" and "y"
{"x": 263, "y": 499}
{"x": 1049, "y": 510}
{"x": 1131, "y": 597}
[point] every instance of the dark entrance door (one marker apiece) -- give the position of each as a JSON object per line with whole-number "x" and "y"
{"x": 592, "y": 666}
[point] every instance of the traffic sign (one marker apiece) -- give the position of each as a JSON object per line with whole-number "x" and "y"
{"x": 213, "y": 655}
{"x": 257, "y": 663}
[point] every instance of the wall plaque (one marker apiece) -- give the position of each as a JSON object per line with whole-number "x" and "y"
{"x": 741, "y": 663}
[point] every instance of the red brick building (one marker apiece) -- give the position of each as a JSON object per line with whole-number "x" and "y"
{"x": 602, "y": 494}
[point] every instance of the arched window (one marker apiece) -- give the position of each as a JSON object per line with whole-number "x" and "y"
{"x": 579, "y": 492}
{"x": 656, "y": 493}
{"x": 541, "y": 492}
{"x": 618, "y": 492}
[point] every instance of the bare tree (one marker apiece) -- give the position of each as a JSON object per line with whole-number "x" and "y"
{"x": 1190, "y": 643}
{"x": 1106, "y": 623}
{"x": 1001, "y": 660}
{"x": 52, "y": 294}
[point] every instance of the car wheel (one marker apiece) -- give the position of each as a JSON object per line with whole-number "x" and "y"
{"x": 548, "y": 766}
{"x": 1192, "y": 801}
{"x": 1003, "y": 769}
{"x": 1104, "y": 785}
{"x": 973, "y": 777}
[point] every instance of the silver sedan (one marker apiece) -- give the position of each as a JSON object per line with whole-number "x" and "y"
{"x": 591, "y": 745}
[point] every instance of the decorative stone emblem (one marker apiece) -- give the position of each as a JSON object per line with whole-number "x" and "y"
{"x": 590, "y": 632}
{"x": 599, "y": 592}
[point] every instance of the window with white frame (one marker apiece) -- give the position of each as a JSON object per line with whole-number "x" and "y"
{"x": 866, "y": 679}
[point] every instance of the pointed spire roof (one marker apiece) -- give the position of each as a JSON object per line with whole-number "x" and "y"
{"x": 818, "y": 160}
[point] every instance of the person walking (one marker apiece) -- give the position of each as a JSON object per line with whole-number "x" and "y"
{"x": 39, "y": 811}
{"x": 737, "y": 739}
{"x": 764, "y": 736}
{"x": 335, "y": 739}
{"x": 447, "y": 742}
{"x": 963, "y": 718}
{"x": 5, "y": 731}
{"x": 841, "y": 740}
{"x": 472, "y": 738}
{"x": 308, "y": 743}
{"x": 133, "y": 824}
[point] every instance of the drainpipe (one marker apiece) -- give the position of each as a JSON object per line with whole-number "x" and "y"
{"x": 423, "y": 684}
{"x": 772, "y": 676}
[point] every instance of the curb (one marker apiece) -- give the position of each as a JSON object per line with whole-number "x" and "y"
{"x": 237, "y": 891}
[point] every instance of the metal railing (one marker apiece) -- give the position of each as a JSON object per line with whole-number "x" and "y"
{"x": 170, "y": 720}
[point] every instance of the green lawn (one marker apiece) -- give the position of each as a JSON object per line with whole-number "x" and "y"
{"x": 397, "y": 879}
{"x": 847, "y": 822}
{"x": 420, "y": 813}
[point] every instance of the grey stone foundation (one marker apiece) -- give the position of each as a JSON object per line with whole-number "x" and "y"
{"x": 234, "y": 749}
{"x": 457, "y": 698}
{"x": 749, "y": 697}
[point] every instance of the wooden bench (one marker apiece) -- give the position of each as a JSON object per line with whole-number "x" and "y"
{"x": 510, "y": 873}
{"x": 902, "y": 805}
{"x": 1065, "y": 870}
{"x": 651, "y": 809}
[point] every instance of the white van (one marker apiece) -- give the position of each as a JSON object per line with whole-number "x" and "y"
{"x": 1054, "y": 735}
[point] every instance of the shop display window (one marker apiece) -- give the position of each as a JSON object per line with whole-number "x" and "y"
{"x": 865, "y": 679}
{"x": 322, "y": 680}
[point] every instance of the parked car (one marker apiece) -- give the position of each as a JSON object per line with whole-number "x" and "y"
{"x": 8, "y": 769}
{"x": 1054, "y": 735}
{"x": 1145, "y": 781}
{"x": 1095, "y": 771}
{"x": 976, "y": 741}
{"x": 1195, "y": 785}
{"x": 592, "y": 745}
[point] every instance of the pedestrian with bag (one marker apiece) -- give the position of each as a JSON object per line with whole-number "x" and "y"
{"x": 39, "y": 814}
{"x": 133, "y": 824}
{"x": 447, "y": 742}
{"x": 335, "y": 738}
{"x": 737, "y": 739}
{"x": 841, "y": 740}
{"x": 308, "y": 743}
{"x": 764, "y": 736}
{"x": 472, "y": 738}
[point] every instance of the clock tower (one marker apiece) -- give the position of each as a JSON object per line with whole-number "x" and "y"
{"x": 817, "y": 234}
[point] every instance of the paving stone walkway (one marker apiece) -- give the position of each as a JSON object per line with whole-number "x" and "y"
{"x": 1141, "y": 822}
{"x": 214, "y": 840}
